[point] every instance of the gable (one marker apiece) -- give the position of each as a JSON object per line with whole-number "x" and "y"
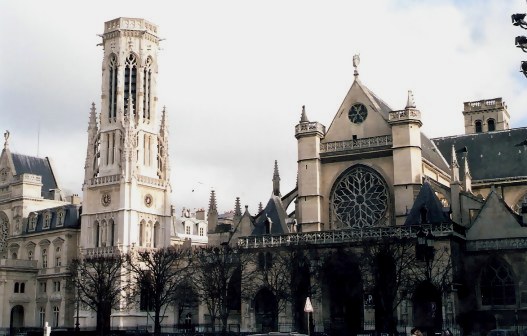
{"x": 495, "y": 221}
{"x": 375, "y": 124}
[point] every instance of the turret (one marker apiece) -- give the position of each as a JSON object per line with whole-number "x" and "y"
{"x": 212, "y": 214}
{"x": 407, "y": 160}
{"x": 309, "y": 205}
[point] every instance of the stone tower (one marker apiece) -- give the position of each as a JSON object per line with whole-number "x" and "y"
{"x": 407, "y": 158}
{"x": 486, "y": 115}
{"x": 126, "y": 186}
{"x": 309, "y": 200}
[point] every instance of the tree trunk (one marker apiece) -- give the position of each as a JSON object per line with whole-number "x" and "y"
{"x": 157, "y": 322}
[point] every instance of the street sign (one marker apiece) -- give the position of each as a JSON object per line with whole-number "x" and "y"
{"x": 308, "y": 308}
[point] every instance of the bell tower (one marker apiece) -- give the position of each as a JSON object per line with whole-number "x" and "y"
{"x": 126, "y": 186}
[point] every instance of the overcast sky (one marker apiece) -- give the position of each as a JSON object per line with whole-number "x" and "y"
{"x": 233, "y": 76}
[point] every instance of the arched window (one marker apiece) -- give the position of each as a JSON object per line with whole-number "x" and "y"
{"x": 104, "y": 231}
{"x": 491, "y": 125}
{"x": 497, "y": 284}
{"x": 112, "y": 87}
{"x": 42, "y": 316}
{"x": 141, "y": 233}
{"x": 17, "y": 287}
{"x": 96, "y": 234}
{"x": 22, "y": 287}
{"x": 130, "y": 80}
{"x": 111, "y": 225}
{"x": 147, "y": 83}
{"x": 156, "y": 234}
{"x": 478, "y": 126}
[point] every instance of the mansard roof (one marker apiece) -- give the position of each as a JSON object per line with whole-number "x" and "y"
{"x": 72, "y": 218}
{"x": 273, "y": 214}
{"x": 491, "y": 155}
{"x": 427, "y": 209}
{"x": 25, "y": 164}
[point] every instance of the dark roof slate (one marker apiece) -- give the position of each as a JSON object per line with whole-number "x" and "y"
{"x": 38, "y": 166}
{"x": 431, "y": 153}
{"x": 428, "y": 200}
{"x": 491, "y": 155}
{"x": 275, "y": 212}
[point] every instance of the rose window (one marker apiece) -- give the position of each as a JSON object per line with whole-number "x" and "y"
{"x": 359, "y": 198}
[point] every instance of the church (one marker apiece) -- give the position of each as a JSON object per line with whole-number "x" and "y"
{"x": 436, "y": 225}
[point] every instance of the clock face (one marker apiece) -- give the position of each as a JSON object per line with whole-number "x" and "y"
{"x": 106, "y": 199}
{"x": 148, "y": 200}
{"x": 357, "y": 113}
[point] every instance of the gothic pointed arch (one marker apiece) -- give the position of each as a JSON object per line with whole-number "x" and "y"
{"x": 130, "y": 82}
{"x": 359, "y": 198}
{"x": 266, "y": 310}
{"x": 497, "y": 284}
{"x": 112, "y": 86}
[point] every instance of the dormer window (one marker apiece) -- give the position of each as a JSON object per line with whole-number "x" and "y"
{"x": 478, "y": 126}
{"x": 47, "y": 220}
{"x": 32, "y": 221}
{"x": 61, "y": 215}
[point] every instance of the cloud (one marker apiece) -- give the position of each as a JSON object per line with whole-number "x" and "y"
{"x": 234, "y": 75}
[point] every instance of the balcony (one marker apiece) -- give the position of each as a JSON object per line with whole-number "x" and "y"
{"x": 356, "y": 145}
{"x": 18, "y": 263}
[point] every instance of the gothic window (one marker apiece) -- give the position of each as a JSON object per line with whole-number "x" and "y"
{"x": 491, "y": 124}
{"x": 141, "y": 233}
{"x": 147, "y": 83}
{"x": 359, "y": 198}
{"x": 497, "y": 284}
{"x": 130, "y": 80}
{"x": 112, "y": 87}
{"x": 103, "y": 234}
{"x": 156, "y": 234}
{"x": 478, "y": 125}
{"x": 111, "y": 227}
{"x": 96, "y": 228}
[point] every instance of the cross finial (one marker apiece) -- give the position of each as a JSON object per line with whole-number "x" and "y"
{"x": 356, "y": 62}
{"x": 6, "y": 137}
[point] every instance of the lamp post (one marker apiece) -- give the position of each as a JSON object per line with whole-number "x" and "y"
{"x": 518, "y": 20}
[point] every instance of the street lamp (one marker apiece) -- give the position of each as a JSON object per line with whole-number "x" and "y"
{"x": 518, "y": 20}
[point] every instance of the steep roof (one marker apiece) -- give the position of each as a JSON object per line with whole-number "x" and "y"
{"x": 491, "y": 155}
{"x": 274, "y": 215}
{"x": 72, "y": 218}
{"x": 427, "y": 209}
{"x": 25, "y": 164}
{"x": 431, "y": 153}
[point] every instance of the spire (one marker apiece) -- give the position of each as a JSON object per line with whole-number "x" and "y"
{"x": 91, "y": 165}
{"x": 410, "y": 103}
{"x": 303, "y": 116}
{"x": 6, "y": 138}
{"x": 260, "y": 207}
{"x": 454, "y": 166}
{"x": 356, "y": 62}
{"x": 163, "y": 165}
{"x": 237, "y": 207}
{"x": 212, "y": 203}
{"x": 276, "y": 180}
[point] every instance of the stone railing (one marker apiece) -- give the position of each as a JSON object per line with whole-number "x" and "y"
{"x": 406, "y": 114}
{"x": 130, "y": 24}
{"x": 344, "y": 235}
{"x": 151, "y": 180}
{"x": 18, "y": 263}
{"x": 485, "y": 104}
{"x": 105, "y": 179}
{"x": 101, "y": 251}
{"x": 356, "y": 144}
{"x": 309, "y": 127}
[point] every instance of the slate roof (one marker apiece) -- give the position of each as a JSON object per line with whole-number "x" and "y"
{"x": 276, "y": 213}
{"x": 38, "y": 166}
{"x": 491, "y": 155}
{"x": 427, "y": 199}
{"x": 72, "y": 218}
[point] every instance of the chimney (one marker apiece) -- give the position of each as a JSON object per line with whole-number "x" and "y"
{"x": 200, "y": 214}
{"x": 74, "y": 199}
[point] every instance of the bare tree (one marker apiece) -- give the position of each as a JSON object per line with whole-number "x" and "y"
{"x": 159, "y": 273}
{"x": 100, "y": 285}
{"x": 218, "y": 277}
{"x": 287, "y": 273}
